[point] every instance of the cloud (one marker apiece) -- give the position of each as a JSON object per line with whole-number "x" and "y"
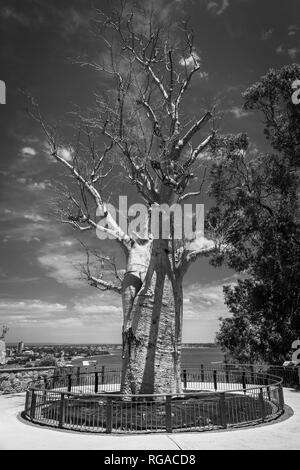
{"x": 98, "y": 308}
{"x": 8, "y": 212}
{"x": 70, "y": 21}
{"x": 34, "y": 217}
{"x": 34, "y": 306}
{"x": 99, "y": 315}
{"x": 66, "y": 154}
{"x": 238, "y": 112}
{"x": 64, "y": 269}
{"x": 279, "y": 49}
{"x": 34, "y": 313}
{"x": 4, "y": 278}
{"x": 28, "y": 152}
{"x": 200, "y": 243}
{"x": 293, "y": 29}
{"x": 39, "y": 186}
{"x": 191, "y": 61}
{"x": 93, "y": 311}
{"x": 27, "y": 226}
{"x": 29, "y": 311}
{"x": 205, "y": 302}
{"x": 66, "y": 243}
{"x": 62, "y": 262}
{"x": 218, "y": 6}
{"x": 27, "y": 233}
{"x": 194, "y": 60}
{"x": 10, "y": 14}
{"x": 266, "y": 34}
{"x": 203, "y": 75}
{"x": 21, "y": 180}
{"x": 293, "y": 52}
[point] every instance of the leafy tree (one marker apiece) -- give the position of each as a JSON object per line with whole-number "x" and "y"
{"x": 258, "y": 200}
{"x": 48, "y": 360}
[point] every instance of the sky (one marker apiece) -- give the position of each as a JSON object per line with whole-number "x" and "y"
{"x": 43, "y": 297}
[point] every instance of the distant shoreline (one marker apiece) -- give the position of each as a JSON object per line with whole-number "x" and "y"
{"x": 191, "y": 356}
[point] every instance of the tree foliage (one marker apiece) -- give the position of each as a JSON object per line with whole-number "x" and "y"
{"x": 258, "y": 200}
{"x": 48, "y": 360}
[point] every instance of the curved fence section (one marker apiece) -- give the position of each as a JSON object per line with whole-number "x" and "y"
{"x": 211, "y": 399}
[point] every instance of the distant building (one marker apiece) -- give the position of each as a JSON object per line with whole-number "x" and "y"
{"x": 28, "y": 353}
{"x": 20, "y": 347}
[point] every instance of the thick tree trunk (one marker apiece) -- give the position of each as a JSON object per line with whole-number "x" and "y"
{"x": 152, "y": 305}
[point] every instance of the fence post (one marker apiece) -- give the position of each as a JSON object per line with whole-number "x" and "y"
{"x": 96, "y": 382}
{"x": 61, "y": 411}
{"x": 252, "y": 374}
{"x": 108, "y": 415}
{"x": 184, "y": 379}
{"x": 33, "y": 405}
{"x": 78, "y": 376}
{"x": 226, "y": 373}
{"x": 26, "y": 400}
{"x": 268, "y": 388}
{"x": 55, "y": 379}
{"x": 168, "y": 406}
{"x": 44, "y": 397}
{"x": 262, "y": 404}
{"x": 202, "y": 373}
{"x": 102, "y": 375}
{"x": 215, "y": 380}
{"x": 281, "y": 397}
{"x": 244, "y": 381}
{"x": 222, "y": 408}
{"x": 69, "y": 382}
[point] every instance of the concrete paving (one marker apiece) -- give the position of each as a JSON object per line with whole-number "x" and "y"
{"x": 17, "y": 434}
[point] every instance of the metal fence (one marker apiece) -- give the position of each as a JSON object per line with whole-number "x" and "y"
{"x": 211, "y": 399}
{"x": 290, "y": 375}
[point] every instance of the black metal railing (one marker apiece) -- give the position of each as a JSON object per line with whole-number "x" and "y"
{"x": 290, "y": 375}
{"x": 211, "y": 399}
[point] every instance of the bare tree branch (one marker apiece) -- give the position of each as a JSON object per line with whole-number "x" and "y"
{"x": 114, "y": 230}
{"x": 98, "y": 281}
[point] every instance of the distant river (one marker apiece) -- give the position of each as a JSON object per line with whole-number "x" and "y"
{"x": 190, "y": 357}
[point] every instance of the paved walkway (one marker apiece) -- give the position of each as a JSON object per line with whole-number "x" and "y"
{"x": 16, "y": 434}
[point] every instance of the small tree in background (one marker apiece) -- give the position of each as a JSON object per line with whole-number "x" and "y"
{"x": 48, "y": 360}
{"x": 259, "y": 194}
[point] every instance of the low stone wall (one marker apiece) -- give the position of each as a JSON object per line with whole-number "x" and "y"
{"x": 18, "y": 380}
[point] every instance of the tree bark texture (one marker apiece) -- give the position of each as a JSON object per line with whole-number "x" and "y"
{"x": 152, "y": 330}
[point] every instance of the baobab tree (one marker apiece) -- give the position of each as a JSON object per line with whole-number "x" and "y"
{"x": 142, "y": 123}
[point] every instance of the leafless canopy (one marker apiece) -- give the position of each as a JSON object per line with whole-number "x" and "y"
{"x": 140, "y": 122}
